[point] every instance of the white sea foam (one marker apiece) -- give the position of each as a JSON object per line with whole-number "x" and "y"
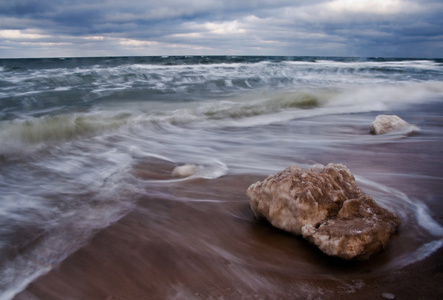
{"x": 411, "y": 211}
{"x": 19, "y": 286}
{"x": 211, "y": 169}
{"x": 415, "y": 256}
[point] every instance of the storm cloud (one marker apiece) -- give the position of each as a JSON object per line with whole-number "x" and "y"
{"x": 61, "y": 28}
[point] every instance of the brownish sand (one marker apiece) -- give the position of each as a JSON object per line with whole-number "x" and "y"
{"x": 198, "y": 239}
{"x": 169, "y": 249}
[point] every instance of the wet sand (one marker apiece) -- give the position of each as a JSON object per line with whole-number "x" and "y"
{"x": 129, "y": 260}
{"x": 167, "y": 249}
{"x": 198, "y": 239}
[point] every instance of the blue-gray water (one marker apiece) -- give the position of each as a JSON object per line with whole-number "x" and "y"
{"x": 72, "y": 130}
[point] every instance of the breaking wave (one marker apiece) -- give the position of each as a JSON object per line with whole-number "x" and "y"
{"x": 68, "y": 85}
{"x": 50, "y": 130}
{"x": 242, "y": 110}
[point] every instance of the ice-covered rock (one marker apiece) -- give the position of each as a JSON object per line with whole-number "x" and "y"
{"x": 388, "y": 123}
{"x": 324, "y": 205}
{"x": 185, "y": 170}
{"x": 360, "y": 229}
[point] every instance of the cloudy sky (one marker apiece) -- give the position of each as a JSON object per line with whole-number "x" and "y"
{"x": 63, "y": 28}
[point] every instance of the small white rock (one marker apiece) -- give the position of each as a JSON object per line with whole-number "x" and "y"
{"x": 185, "y": 170}
{"x": 388, "y": 123}
{"x": 388, "y": 296}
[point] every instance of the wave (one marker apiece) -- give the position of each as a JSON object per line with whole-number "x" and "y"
{"x": 16, "y": 134}
{"x": 50, "y": 129}
{"x": 76, "y": 83}
{"x": 273, "y": 104}
{"x": 413, "y": 213}
{"x": 266, "y": 108}
{"x": 246, "y": 109}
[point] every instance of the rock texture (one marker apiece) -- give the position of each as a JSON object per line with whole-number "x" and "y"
{"x": 388, "y": 123}
{"x": 325, "y": 206}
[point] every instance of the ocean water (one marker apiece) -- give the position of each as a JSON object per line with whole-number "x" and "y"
{"x": 73, "y": 130}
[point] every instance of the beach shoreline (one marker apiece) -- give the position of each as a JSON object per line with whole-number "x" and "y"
{"x": 113, "y": 266}
{"x": 88, "y": 152}
{"x": 215, "y": 249}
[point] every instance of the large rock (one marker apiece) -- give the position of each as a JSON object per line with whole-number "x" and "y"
{"x": 389, "y": 123}
{"x": 324, "y": 205}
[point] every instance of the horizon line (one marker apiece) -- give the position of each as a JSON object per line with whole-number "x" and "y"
{"x": 222, "y": 55}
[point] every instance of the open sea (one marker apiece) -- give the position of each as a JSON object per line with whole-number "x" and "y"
{"x": 84, "y": 141}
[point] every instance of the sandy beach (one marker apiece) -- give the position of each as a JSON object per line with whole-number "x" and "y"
{"x": 213, "y": 248}
{"x": 91, "y": 208}
{"x": 130, "y": 261}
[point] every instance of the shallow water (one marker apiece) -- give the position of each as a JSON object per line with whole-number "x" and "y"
{"x": 85, "y": 141}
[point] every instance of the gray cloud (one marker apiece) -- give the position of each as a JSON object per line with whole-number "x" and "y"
{"x": 281, "y": 27}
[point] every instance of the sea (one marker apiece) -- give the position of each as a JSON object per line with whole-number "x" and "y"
{"x": 83, "y": 140}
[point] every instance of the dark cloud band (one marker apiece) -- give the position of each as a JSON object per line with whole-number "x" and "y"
{"x": 337, "y": 27}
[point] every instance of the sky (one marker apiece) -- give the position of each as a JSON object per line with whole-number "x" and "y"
{"x": 79, "y": 28}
